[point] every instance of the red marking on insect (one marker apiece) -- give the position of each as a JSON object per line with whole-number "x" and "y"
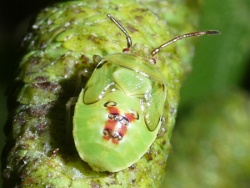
{"x": 130, "y": 117}
{"x": 113, "y": 110}
{"x": 117, "y": 124}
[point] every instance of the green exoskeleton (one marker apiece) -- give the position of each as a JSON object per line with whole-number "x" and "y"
{"x": 120, "y": 111}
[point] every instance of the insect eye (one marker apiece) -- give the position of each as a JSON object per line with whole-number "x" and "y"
{"x": 126, "y": 50}
{"x": 152, "y": 61}
{"x": 110, "y": 103}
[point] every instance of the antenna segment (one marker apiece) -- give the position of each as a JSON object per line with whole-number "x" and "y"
{"x": 193, "y": 34}
{"x": 129, "y": 40}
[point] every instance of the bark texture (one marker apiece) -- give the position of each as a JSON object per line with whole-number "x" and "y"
{"x": 60, "y": 43}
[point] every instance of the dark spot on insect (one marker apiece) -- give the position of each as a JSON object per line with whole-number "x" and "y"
{"x": 123, "y": 120}
{"x": 115, "y": 135}
{"x": 133, "y": 181}
{"x": 113, "y": 116}
{"x": 110, "y": 103}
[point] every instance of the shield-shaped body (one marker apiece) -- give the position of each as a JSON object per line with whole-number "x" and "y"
{"x": 118, "y": 114}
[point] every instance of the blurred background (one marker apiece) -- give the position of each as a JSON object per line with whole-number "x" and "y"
{"x": 211, "y": 141}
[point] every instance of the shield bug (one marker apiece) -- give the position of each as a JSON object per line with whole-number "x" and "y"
{"x": 118, "y": 114}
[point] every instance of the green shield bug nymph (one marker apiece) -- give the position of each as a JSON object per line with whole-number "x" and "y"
{"x": 118, "y": 114}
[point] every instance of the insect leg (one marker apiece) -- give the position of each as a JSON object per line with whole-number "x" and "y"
{"x": 69, "y": 111}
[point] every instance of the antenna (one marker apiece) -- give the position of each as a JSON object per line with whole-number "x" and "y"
{"x": 129, "y": 40}
{"x": 193, "y": 34}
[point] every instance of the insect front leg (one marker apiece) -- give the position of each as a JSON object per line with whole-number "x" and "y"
{"x": 81, "y": 79}
{"x": 84, "y": 75}
{"x": 70, "y": 105}
{"x": 69, "y": 111}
